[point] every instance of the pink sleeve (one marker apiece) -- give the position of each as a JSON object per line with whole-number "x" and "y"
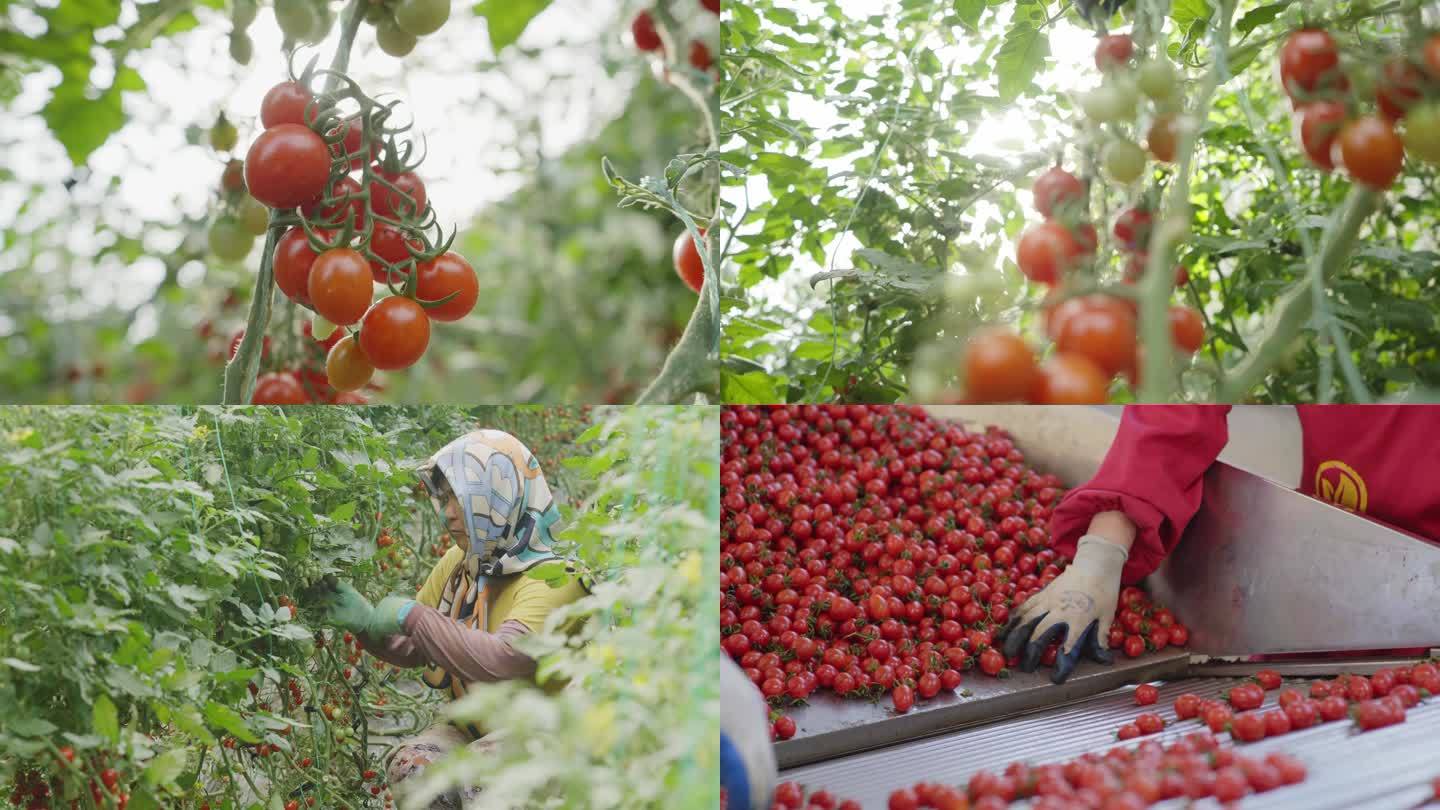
{"x": 470, "y": 655}
{"x": 395, "y": 650}
{"x": 1154, "y": 473}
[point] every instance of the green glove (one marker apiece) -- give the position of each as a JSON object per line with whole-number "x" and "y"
{"x": 347, "y": 609}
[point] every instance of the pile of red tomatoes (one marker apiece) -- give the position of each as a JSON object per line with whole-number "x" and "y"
{"x": 872, "y": 550}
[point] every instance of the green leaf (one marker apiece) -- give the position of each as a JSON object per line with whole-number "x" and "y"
{"x": 106, "y": 718}
{"x": 755, "y": 387}
{"x": 167, "y": 767}
{"x": 1260, "y": 16}
{"x": 969, "y": 12}
{"x": 343, "y": 512}
{"x": 227, "y": 719}
{"x": 1020, "y": 59}
{"x": 506, "y": 19}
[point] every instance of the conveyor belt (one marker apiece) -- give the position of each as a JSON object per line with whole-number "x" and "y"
{"x": 1386, "y": 769}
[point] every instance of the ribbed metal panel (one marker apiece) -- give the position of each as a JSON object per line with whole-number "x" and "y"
{"x": 1385, "y": 769}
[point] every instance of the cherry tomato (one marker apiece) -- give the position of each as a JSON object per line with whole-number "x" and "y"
{"x": 1187, "y": 706}
{"x": 999, "y": 367}
{"x": 233, "y": 177}
{"x": 1150, "y": 723}
{"x": 903, "y": 698}
{"x": 1163, "y": 138}
{"x": 1248, "y": 727}
{"x": 686, "y": 257}
{"x": 405, "y": 200}
{"x": 1123, "y": 161}
{"x": 446, "y": 274}
{"x": 1230, "y": 784}
{"x": 292, "y": 263}
{"x": 1371, "y": 152}
{"x": 392, "y": 246}
{"x": 1187, "y": 329}
{"x": 1277, "y": 722}
{"x": 1134, "y": 646}
{"x": 700, "y": 56}
{"x": 1332, "y": 708}
{"x": 1114, "y": 51}
{"x": 642, "y": 28}
{"x": 229, "y": 240}
{"x": 1303, "y": 714}
{"x": 1106, "y": 336}
{"x": 991, "y": 661}
{"x": 393, "y": 39}
{"x": 351, "y": 144}
{"x": 1400, "y": 88}
{"x": 254, "y": 217}
{"x": 278, "y": 388}
{"x": 1046, "y": 251}
{"x": 1422, "y": 132}
{"x": 1158, "y": 79}
{"x": 1071, "y": 379}
{"x": 1146, "y": 694}
{"x": 285, "y": 103}
{"x": 1268, "y": 679}
{"x": 346, "y": 367}
{"x": 394, "y": 333}
{"x": 1132, "y": 228}
{"x": 1246, "y": 696}
{"x": 340, "y": 285}
{"x": 421, "y": 17}
{"x": 1056, "y": 191}
{"x": 1129, "y": 731}
{"x": 784, "y": 727}
{"x": 287, "y": 166}
{"x": 1309, "y": 60}
{"x": 713, "y": 6}
{"x": 1218, "y": 718}
{"x": 348, "y": 206}
{"x": 1318, "y": 125}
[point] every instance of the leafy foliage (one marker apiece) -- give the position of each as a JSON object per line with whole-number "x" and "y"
{"x": 890, "y": 147}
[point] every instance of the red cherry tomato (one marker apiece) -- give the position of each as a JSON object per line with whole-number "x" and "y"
{"x": 1106, "y": 336}
{"x": 1371, "y": 152}
{"x": 903, "y": 698}
{"x": 341, "y": 286}
{"x": 392, "y": 246}
{"x": 1046, "y": 251}
{"x": 1309, "y": 60}
{"x": 1146, "y": 694}
{"x": 348, "y": 206}
{"x": 1187, "y": 328}
{"x": 1132, "y": 228}
{"x": 642, "y": 28}
{"x": 1114, "y": 50}
{"x": 394, "y": 333}
{"x": 999, "y": 367}
{"x": 405, "y": 201}
{"x": 1401, "y": 87}
{"x": 446, "y": 274}
{"x": 287, "y": 166}
{"x": 1318, "y": 125}
{"x": 285, "y": 103}
{"x": 686, "y": 256}
{"x": 700, "y": 55}
{"x": 278, "y": 388}
{"x": 292, "y": 263}
{"x": 1057, "y": 190}
{"x": 1071, "y": 379}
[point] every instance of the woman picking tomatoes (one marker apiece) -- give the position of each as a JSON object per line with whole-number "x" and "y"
{"x": 477, "y": 600}
{"x": 1120, "y": 525}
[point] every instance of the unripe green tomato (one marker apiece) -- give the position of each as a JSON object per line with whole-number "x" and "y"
{"x": 321, "y": 329}
{"x": 254, "y": 216}
{"x": 242, "y": 13}
{"x": 298, "y": 19}
{"x": 1158, "y": 79}
{"x": 394, "y": 40}
{"x": 1422, "y": 132}
{"x": 1123, "y": 161}
{"x": 1108, "y": 104}
{"x": 421, "y": 17}
{"x": 223, "y": 135}
{"x": 375, "y": 12}
{"x": 326, "y": 15}
{"x": 240, "y": 47}
{"x": 229, "y": 241}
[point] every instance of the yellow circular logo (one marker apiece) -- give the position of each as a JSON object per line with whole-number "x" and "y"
{"x": 1338, "y": 483}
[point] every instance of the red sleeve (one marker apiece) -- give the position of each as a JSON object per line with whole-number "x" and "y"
{"x": 1154, "y": 473}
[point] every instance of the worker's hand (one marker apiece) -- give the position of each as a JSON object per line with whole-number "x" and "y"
{"x": 1075, "y": 609}
{"x": 347, "y": 609}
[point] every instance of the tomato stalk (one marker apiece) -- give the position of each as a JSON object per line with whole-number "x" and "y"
{"x": 1158, "y": 284}
{"x": 1298, "y": 305}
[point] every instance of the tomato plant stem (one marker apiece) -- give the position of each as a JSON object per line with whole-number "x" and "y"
{"x": 1299, "y": 303}
{"x": 1158, "y": 374}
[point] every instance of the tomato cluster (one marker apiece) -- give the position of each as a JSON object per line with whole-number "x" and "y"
{"x": 1374, "y": 702}
{"x": 1194, "y": 767}
{"x": 646, "y": 37}
{"x": 350, "y": 235}
{"x": 1094, "y": 334}
{"x": 873, "y": 549}
{"x": 1331, "y": 124}
{"x": 107, "y": 786}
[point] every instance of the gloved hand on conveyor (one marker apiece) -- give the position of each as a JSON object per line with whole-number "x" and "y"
{"x": 1075, "y": 609}
{"x": 747, "y": 758}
